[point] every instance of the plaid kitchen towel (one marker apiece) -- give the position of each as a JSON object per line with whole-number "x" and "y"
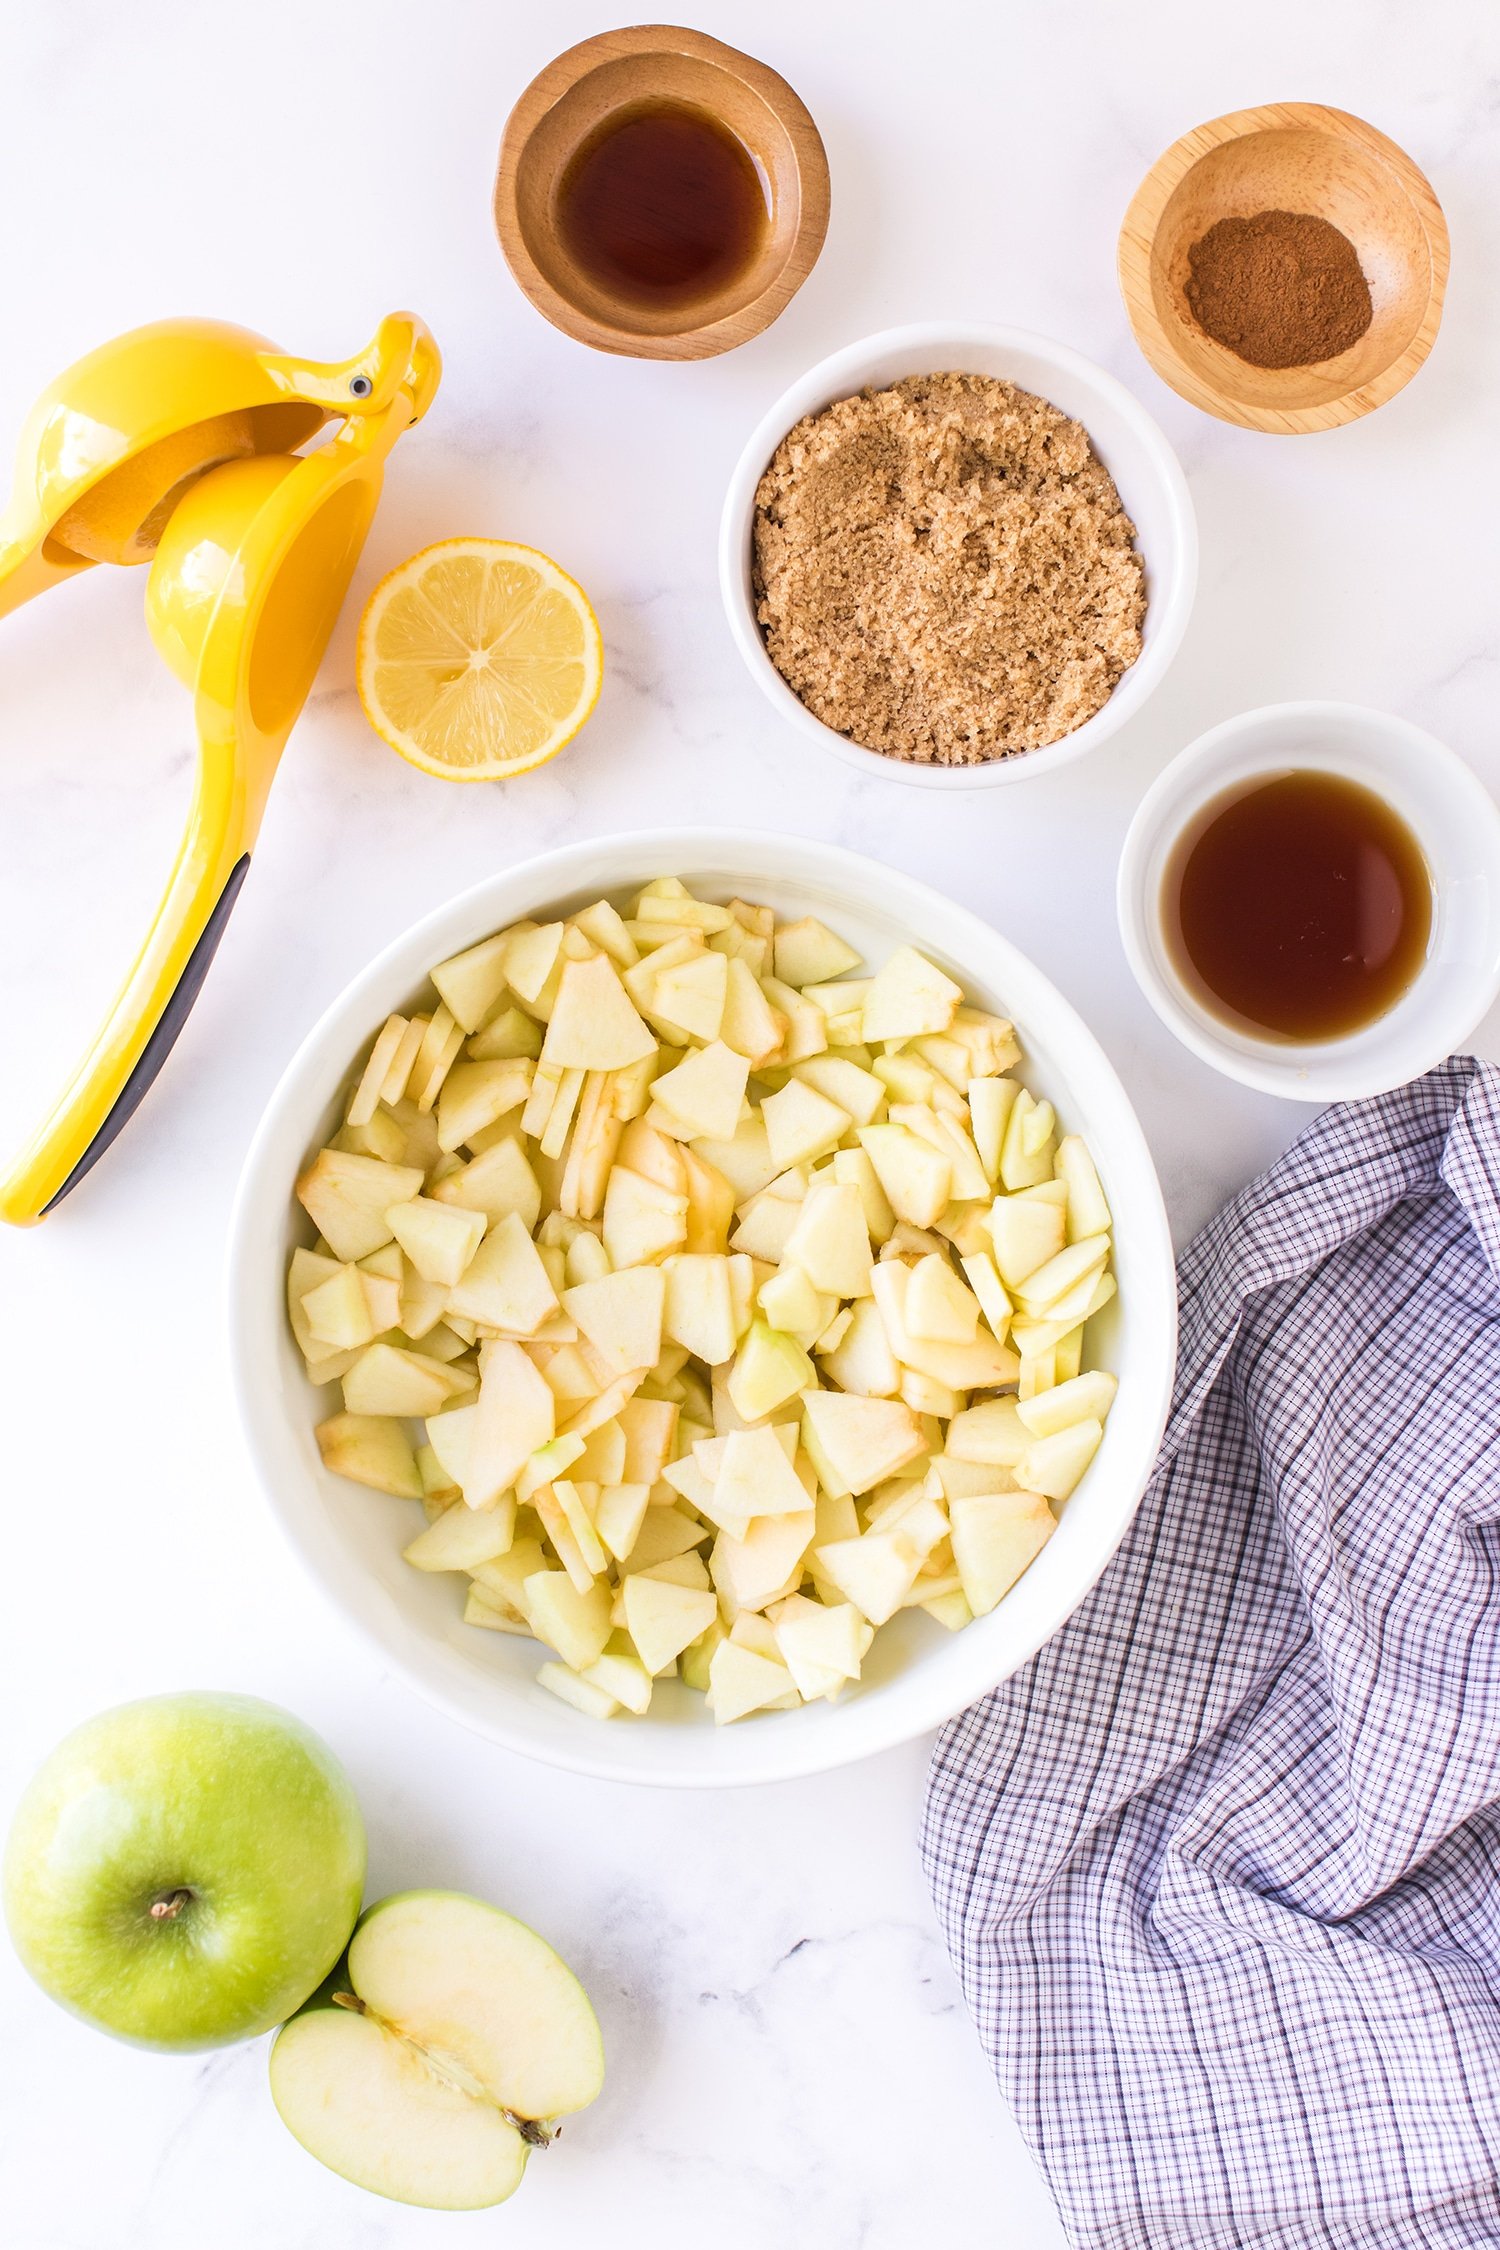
{"x": 1220, "y": 1869}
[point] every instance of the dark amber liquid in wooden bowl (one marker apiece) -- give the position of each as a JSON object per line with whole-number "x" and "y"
{"x": 662, "y": 205}
{"x": 1299, "y": 905}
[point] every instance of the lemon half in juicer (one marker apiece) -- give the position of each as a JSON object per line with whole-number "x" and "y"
{"x": 174, "y": 445}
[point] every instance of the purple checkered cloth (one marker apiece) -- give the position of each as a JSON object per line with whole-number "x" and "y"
{"x": 1220, "y": 1869}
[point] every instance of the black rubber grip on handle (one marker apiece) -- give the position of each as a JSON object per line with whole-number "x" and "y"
{"x": 164, "y": 1037}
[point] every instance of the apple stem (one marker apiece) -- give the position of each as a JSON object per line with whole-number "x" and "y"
{"x": 350, "y": 2000}
{"x": 169, "y": 1905}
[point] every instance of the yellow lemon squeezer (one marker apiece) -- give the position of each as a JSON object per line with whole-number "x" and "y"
{"x": 175, "y": 446}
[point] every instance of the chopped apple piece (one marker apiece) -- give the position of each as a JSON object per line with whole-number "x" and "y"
{"x": 808, "y": 953}
{"x": 471, "y": 983}
{"x": 791, "y": 1303}
{"x": 461, "y": 1537}
{"x": 439, "y": 1238}
{"x": 705, "y": 1091}
{"x": 442, "y": 1040}
{"x": 620, "y": 1515}
{"x": 983, "y": 1279}
{"x": 506, "y": 1285}
{"x": 741, "y": 1681}
{"x": 620, "y": 1673}
{"x": 993, "y": 1433}
{"x": 769, "y": 1369}
{"x": 337, "y": 1312}
{"x": 854, "y": 1089}
{"x": 995, "y": 1537}
{"x": 602, "y": 924}
{"x": 806, "y": 1028}
{"x": 621, "y": 1315}
{"x": 531, "y": 959}
{"x": 990, "y": 1102}
{"x": 802, "y": 1124}
{"x": 594, "y": 1024}
{"x": 699, "y": 1311}
{"x": 1053, "y": 1465}
{"x": 649, "y": 1426}
{"x": 689, "y": 996}
{"x": 662, "y": 1619}
{"x": 1026, "y": 1154}
{"x": 584, "y": 1693}
{"x": 500, "y": 1182}
{"x": 1086, "y": 1398}
{"x": 875, "y": 1572}
{"x": 643, "y": 1222}
{"x": 1088, "y": 1208}
{"x": 510, "y": 1036}
{"x": 476, "y": 1095}
{"x": 938, "y": 1306}
{"x": 852, "y": 1167}
{"x": 1026, "y": 1235}
{"x": 656, "y": 1156}
{"x": 575, "y": 1623}
{"x": 915, "y": 1177}
{"x": 830, "y": 1240}
{"x": 943, "y": 1134}
{"x": 862, "y": 1362}
{"x": 666, "y": 1533}
{"x": 756, "y": 1478}
{"x": 909, "y": 996}
{"x": 816, "y": 1640}
{"x": 347, "y": 1197}
{"x": 865, "y": 1439}
{"x": 765, "y": 1563}
{"x": 766, "y": 1224}
{"x": 514, "y": 1416}
{"x": 981, "y": 1364}
{"x": 502, "y": 1580}
{"x": 1049, "y": 1285}
{"x": 480, "y": 1610}
{"x": 370, "y": 1449}
{"x": 749, "y": 1024}
{"x": 679, "y": 906}
{"x": 366, "y": 1096}
{"x": 387, "y": 1380}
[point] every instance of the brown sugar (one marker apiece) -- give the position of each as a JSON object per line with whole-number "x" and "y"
{"x": 1280, "y": 289}
{"x": 944, "y": 572}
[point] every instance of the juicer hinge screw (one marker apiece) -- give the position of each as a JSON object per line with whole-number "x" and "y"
{"x": 360, "y": 386}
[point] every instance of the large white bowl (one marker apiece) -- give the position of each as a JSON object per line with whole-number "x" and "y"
{"x": 351, "y": 1539}
{"x": 1131, "y": 446}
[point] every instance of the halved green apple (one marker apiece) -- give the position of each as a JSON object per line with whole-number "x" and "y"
{"x": 439, "y": 2053}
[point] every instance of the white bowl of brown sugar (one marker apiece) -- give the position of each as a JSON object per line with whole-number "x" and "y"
{"x": 957, "y": 556}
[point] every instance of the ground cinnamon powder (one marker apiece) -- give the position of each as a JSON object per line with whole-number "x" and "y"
{"x": 1281, "y": 289}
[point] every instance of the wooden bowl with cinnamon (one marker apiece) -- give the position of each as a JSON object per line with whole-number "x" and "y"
{"x": 1284, "y": 267}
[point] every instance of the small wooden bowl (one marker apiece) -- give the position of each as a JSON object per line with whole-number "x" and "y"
{"x": 647, "y": 62}
{"x": 1288, "y": 156}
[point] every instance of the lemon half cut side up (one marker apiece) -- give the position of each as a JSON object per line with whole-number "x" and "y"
{"x": 478, "y": 659}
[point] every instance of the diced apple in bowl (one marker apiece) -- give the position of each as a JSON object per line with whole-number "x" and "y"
{"x": 716, "y": 1295}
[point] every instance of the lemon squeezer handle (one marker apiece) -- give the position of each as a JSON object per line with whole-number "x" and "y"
{"x": 153, "y": 1003}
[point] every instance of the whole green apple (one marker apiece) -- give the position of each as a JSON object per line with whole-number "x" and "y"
{"x": 184, "y": 1871}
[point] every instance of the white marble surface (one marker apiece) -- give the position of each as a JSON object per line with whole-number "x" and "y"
{"x": 790, "y": 2059}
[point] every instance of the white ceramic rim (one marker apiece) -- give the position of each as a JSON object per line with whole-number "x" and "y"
{"x": 1330, "y": 1071}
{"x": 838, "y": 376}
{"x": 255, "y": 1281}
